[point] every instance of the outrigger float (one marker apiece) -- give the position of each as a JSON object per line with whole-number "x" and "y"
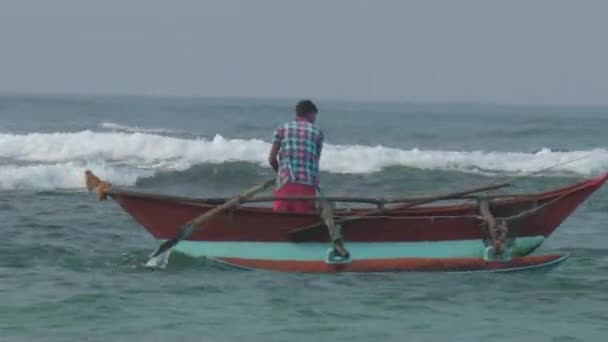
{"x": 482, "y": 232}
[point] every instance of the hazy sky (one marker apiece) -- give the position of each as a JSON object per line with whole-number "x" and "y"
{"x": 455, "y": 50}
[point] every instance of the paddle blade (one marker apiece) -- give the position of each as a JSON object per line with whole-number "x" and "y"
{"x": 159, "y": 261}
{"x": 184, "y": 232}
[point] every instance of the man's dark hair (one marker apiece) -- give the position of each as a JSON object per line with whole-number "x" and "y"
{"x": 304, "y": 107}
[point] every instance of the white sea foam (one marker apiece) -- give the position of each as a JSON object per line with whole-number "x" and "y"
{"x": 60, "y": 158}
{"x": 68, "y": 175}
{"x": 133, "y": 129}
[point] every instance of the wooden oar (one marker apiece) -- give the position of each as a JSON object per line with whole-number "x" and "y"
{"x": 190, "y": 227}
{"x": 301, "y": 233}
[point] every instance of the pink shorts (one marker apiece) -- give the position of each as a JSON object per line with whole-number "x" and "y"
{"x": 297, "y": 206}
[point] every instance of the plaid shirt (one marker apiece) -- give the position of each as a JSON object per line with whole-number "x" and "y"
{"x": 301, "y": 143}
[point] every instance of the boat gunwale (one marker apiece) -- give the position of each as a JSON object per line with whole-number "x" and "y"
{"x": 498, "y": 199}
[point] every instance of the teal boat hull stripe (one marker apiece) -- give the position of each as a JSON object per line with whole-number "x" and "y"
{"x": 375, "y": 250}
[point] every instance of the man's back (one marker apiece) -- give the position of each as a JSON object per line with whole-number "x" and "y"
{"x": 300, "y": 144}
{"x": 294, "y": 155}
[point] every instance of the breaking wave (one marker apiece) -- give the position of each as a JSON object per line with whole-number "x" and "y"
{"x": 133, "y": 129}
{"x": 58, "y": 160}
{"x": 68, "y": 175}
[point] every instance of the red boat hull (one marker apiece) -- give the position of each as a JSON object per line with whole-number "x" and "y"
{"x": 163, "y": 217}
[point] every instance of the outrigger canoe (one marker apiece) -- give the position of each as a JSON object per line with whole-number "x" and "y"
{"x": 479, "y": 233}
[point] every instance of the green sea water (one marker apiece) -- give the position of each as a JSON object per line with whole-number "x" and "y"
{"x": 71, "y": 267}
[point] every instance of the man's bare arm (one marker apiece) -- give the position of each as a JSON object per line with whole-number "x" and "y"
{"x": 272, "y": 157}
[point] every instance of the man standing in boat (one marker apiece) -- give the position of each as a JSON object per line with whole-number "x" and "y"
{"x": 294, "y": 155}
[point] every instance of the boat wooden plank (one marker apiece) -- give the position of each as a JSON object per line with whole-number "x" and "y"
{"x": 401, "y": 265}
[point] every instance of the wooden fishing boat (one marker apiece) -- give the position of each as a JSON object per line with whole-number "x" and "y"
{"x": 479, "y": 233}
